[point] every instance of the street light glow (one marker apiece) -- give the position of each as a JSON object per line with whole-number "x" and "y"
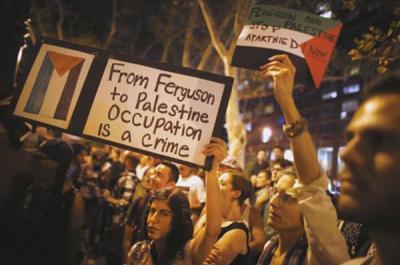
{"x": 266, "y": 134}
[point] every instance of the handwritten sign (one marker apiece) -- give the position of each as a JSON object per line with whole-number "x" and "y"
{"x": 308, "y": 39}
{"x": 157, "y": 109}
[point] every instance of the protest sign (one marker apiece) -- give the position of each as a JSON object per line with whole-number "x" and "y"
{"x": 308, "y": 40}
{"x": 158, "y": 109}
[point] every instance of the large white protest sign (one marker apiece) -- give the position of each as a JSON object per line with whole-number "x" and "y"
{"x": 153, "y": 108}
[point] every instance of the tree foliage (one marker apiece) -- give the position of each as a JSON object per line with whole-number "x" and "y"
{"x": 380, "y": 45}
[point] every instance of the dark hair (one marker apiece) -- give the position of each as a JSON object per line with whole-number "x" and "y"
{"x": 386, "y": 83}
{"x": 266, "y": 171}
{"x": 279, "y": 147}
{"x": 242, "y": 183}
{"x": 181, "y": 224}
{"x": 133, "y": 160}
{"x": 174, "y": 175}
{"x": 77, "y": 148}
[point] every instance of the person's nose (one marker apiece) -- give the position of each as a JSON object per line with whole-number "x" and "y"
{"x": 352, "y": 152}
{"x": 153, "y": 217}
{"x": 275, "y": 200}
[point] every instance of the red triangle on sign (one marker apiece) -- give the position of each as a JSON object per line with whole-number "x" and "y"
{"x": 62, "y": 62}
{"x": 318, "y": 51}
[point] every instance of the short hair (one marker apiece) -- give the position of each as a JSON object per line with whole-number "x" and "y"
{"x": 242, "y": 183}
{"x": 279, "y": 147}
{"x": 181, "y": 224}
{"x": 386, "y": 83}
{"x": 77, "y": 148}
{"x": 132, "y": 159}
{"x": 267, "y": 172}
{"x": 291, "y": 171}
{"x": 174, "y": 175}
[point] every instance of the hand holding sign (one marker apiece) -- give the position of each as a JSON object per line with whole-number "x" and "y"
{"x": 153, "y": 108}
{"x": 216, "y": 148}
{"x": 308, "y": 40}
{"x": 282, "y": 71}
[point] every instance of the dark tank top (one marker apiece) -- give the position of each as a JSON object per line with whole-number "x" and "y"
{"x": 240, "y": 259}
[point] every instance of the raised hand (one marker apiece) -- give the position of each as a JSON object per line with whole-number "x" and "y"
{"x": 282, "y": 71}
{"x": 216, "y": 148}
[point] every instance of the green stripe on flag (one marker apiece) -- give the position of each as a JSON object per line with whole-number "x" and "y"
{"x": 290, "y": 19}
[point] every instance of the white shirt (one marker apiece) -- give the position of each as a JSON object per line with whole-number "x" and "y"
{"x": 140, "y": 170}
{"x": 195, "y": 185}
{"x": 326, "y": 244}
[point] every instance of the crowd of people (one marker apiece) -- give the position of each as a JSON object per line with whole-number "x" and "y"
{"x": 73, "y": 202}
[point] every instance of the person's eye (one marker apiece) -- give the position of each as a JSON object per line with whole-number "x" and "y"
{"x": 287, "y": 198}
{"x": 165, "y": 214}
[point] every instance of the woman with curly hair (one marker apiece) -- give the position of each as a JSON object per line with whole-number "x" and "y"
{"x": 167, "y": 225}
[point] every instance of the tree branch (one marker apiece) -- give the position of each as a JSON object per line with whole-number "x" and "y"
{"x": 60, "y": 22}
{"x": 113, "y": 28}
{"x": 205, "y": 56}
{"x": 242, "y": 10}
{"x": 207, "y": 16}
{"x": 186, "y": 56}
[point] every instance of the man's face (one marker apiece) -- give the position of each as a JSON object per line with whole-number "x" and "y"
{"x": 275, "y": 170}
{"x": 185, "y": 171}
{"x": 261, "y": 156}
{"x": 278, "y": 153}
{"x": 262, "y": 180}
{"x": 284, "y": 210}
{"x": 370, "y": 181}
{"x": 161, "y": 178}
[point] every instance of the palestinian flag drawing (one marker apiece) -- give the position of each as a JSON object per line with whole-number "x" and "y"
{"x": 55, "y": 85}
{"x": 308, "y": 40}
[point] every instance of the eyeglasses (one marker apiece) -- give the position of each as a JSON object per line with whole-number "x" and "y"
{"x": 284, "y": 196}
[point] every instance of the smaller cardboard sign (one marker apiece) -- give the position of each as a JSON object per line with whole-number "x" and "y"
{"x": 158, "y": 109}
{"x": 308, "y": 40}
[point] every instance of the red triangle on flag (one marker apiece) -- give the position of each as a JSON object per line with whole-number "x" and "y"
{"x": 318, "y": 51}
{"x": 62, "y": 62}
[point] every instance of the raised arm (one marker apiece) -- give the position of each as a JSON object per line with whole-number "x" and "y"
{"x": 204, "y": 240}
{"x": 281, "y": 70}
{"x": 326, "y": 245}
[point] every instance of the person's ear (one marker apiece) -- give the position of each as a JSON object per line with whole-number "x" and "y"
{"x": 171, "y": 183}
{"x": 237, "y": 194}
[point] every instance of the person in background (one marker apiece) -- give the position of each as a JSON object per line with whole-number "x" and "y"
{"x": 78, "y": 159}
{"x": 167, "y": 225}
{"x": 194, "y": 188}
{"x": 118, "y": 201}
{"x": 263, "y": 196}
{"x": 278, "y": 155}
{"x": 232, "y": 246}
{"x": 143, "y": 165}
{"x": 302, "y": 214}
{"x": 135, "y": 212}
{"x": 370, "y": 181}
{"x": 251, "y": 217}
{"x": 261, "y": 163}
{"x": 165, "y": 175}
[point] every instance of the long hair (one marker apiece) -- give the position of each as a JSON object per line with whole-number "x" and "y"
{"x": 181, "y": 224}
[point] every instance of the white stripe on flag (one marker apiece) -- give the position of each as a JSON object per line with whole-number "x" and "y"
{"x": 53, "y": 94}
{"x": 283, "y": 39}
